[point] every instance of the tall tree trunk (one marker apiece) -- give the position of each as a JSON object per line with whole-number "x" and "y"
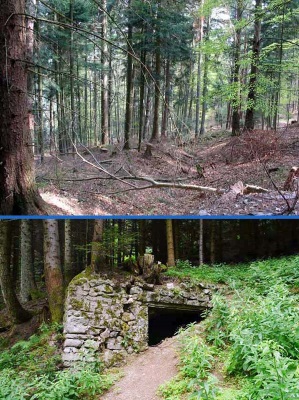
{"x": 72, "y": 84}
{"x": 28, "y": 284}
{"x": 280, "y": 55}
{"x": 170, "y": 246}
{"x": 68, "y": 270}
{"x": 213, "y": 242}
{"x": 17, "y": 313}
{"x": 53, "y": 270}
{"x": 251, "y": 98}
{"x": 31, "y": 9}
{"x": 155, "y": 131}
{"x": 141, "y": 98}
{"x": 105, "y": 79}
{"x": 236, "y": 71}
{"x": 18, "y": 193}
{"x": 205, "y": 85}
{"x": 97, "y": 257}
{"x": 166, "y": 99}
{"x": 129, "y": 93}
{"x": 200, "y": 242}
{"x": 141, "y": 241}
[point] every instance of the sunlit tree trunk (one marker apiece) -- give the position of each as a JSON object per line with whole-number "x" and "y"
{"x": 236, "y": 72}
{"x": 97, "y": 257}
{"x": 53, "y": 270}
{"x": 170, "y": 246}
{"x": 17, "y": 313}
{"x": 129, "y": 92}
{"x": 205, "y": 86}
{"x": 155, "y": 131}
{"x": 18, "y": 194}
{"x": 105, "y": 79}
{"x": 251, "y": 98}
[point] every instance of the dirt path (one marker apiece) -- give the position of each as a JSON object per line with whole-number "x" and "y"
{"x": 145, "y": 372}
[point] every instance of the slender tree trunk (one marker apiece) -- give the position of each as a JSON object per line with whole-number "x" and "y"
{"x": 280, "y": 56}
{"x": 141, "y": 98}
{"x": 141, "y": 241}
{"x": 200, "y": 242}
{"x": 166, "y": 100}
{"x": 17, "y": 313}
{"x": 236, "y": 72}
{"x": 205, "y": 86}
{"x": 72, "y": 85}
{"x": 251, "y": 98}
{"x": 213, "y": 242}
{"x": 155, "y": 131}
{"x": 129, "y": 93}
{"x": 18, "y": 194}
{"x": 97, "y": 257}
{"x": 105, "y": 80}
{"x": 68, "y": 270}
{"x": 28, "y": 284}
{"x": 31, "y": 9}
{"x": 53, "y": 270}
{"x": 170, "y": 246}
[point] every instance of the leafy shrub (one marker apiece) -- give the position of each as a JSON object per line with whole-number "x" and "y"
{"x": 183, "y": 264}
{"x": 30, "y": 370}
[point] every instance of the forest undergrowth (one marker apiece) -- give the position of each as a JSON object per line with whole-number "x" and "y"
{"x": 32, "y": 369}
{"x": 248, "y": 347}
{"x": 264, "y": 158}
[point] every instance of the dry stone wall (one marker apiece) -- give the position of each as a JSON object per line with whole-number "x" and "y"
{"x": 109, "y": 319}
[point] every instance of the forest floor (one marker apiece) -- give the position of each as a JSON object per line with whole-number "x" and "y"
{"x": 145, "y": 372}
{"x": 109, "y": 182}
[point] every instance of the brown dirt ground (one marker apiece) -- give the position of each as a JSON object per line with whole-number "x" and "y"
{"x": 72, "y": 187}
{"x": 145, "y": 372}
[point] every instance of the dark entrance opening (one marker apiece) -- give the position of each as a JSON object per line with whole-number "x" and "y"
{"x": 164, "y": 322}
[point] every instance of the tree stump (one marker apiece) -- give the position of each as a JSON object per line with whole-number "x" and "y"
{"x": 148, "y": 151}
{"x": 150, "y": 272}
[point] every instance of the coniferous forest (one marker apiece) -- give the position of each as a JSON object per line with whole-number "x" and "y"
{"x": 244, "y": 344}
{"x": 115, "y": 96}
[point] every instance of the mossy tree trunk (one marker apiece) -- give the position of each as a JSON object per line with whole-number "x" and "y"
{"x": 28, "y": 284}
{"x": 53, "y": 270}
{"x": 17, "y": 313}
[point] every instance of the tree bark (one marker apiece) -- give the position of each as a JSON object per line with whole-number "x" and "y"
{"x": 97, "y": 258}
{"x": 251, "y": 98}
{"x": 68, "y": 270}
{"x": 170, "y": 245}
{"x": 236, "y": 70}
{"x": 17, "y": 313}
{"x": 28, "y": 284}
{"x": 129, "y": 93}
{"x": 166, "y": 100}
{"x": 53, "y": 270}
{"x": 105, "y": 80}
{"x": 18, "y": 193}
{"x": 200, "y": 242}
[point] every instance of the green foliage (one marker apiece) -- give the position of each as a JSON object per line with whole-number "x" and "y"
{"x": 30, "y": 370}
{"x": 251, "y": 336}
{"x": 219, "y": 273}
